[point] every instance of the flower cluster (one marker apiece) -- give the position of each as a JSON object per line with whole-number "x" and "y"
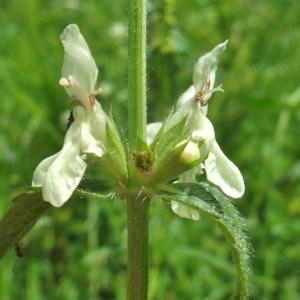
{"x": 182, "y": 147}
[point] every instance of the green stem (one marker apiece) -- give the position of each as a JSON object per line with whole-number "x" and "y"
{"x": 137, "y": 203}
{"x": 137, "y": 265}
{"x": 136, "y": 74}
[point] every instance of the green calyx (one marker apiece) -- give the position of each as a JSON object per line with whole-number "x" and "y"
{"x": 169, "y": 155}
{"x": 114, "y": 159}
{"x": 184, "y": 156}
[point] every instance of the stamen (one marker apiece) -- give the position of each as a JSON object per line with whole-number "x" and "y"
{"x": 201, "y": 94}
{"x": 87, "y": 101}
{"x": 68, "y": 82}
{"x": 92, "y": 96}
{"x": 92, "y": 99}
{"x": 64, "y": 82}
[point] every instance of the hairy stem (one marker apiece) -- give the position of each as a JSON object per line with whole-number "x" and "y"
{"x": 137, "y": 264}
{"x": 136, "y": 73}
{"x": 137, "y": 202}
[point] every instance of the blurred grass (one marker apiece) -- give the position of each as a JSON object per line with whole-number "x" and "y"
{"x": 79, "y": 251}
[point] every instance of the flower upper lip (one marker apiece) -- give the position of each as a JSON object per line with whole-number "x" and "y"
{"x": 204, "y": 76}
{"x": 79, "y": 71}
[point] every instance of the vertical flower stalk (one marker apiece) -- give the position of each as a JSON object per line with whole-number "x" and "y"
{"x": 137, "y": 203}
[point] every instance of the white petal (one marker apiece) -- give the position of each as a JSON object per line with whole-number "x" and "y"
{"x": 79, "y": 64}
{"x": 187, "y": 101}
{"x": 182, "y": 111}
{"x": 60, "y": 174}
{"x": 185, "y": 211}
{"x": 98, "y": 122}
{"x": 206, "y": 67}
{"x": 201, "y": 127}
{"x": 204, "y": 109}
{"x": 41, "y": 170}
{"x": 89, "y": 129}
{"x": 89, "y": 144}
{"x": 89, "y": 141}
{"x": 152, "y": 130}
{"x": 224, "y": 173}
{"x": 190, "y": 175}
{"x": 187, "y": 97}
{"x": 63, "y": 176}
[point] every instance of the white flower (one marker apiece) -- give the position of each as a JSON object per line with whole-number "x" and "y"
{"x": 60, "y": 174}
{"x": 192, "y": 105}
{"x": 218, "y": 168}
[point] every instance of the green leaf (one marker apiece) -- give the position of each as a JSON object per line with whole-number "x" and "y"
{"x": 96, "y": 186}
{"x": 20, "y": 218}
{"x": 211, "y": 202}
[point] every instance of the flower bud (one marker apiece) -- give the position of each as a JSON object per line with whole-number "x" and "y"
{"x": 190, "y": 153}
{"x": 184, "y": 156}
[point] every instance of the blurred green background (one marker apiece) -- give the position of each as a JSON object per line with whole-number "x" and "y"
{"x": 79, "y": 251}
